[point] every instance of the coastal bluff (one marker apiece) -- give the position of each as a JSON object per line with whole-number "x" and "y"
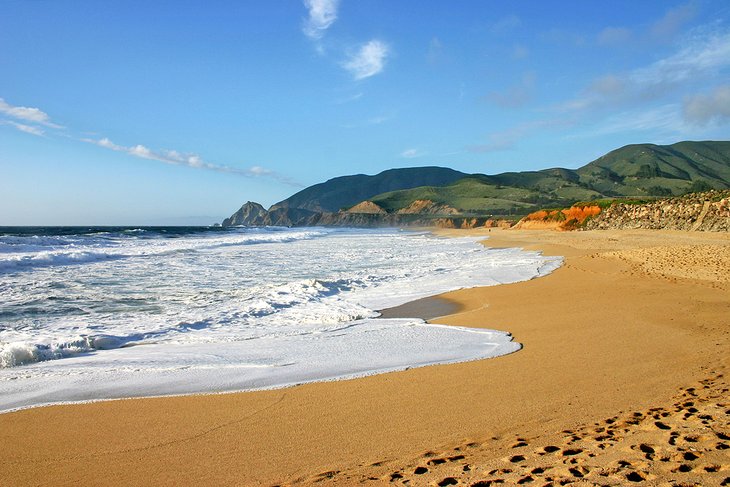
{"x": 436, "y": 196}
{"x": 365, "y": 216}
{"x": 708, "y": 211}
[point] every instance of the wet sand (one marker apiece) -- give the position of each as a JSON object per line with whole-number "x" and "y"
{"x": 425, "y": 309}
{"x": 626, "y": 349}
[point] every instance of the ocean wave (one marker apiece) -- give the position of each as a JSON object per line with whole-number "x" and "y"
{"x": 295, "y": 308}
{"x": 213, "y": 291}
{"x": 23, "y": 353}
{"x": 50, "y": 258}
{"x": 27, "y": 253}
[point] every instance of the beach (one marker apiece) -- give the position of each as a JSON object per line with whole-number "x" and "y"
{"x": 622, "y": 374}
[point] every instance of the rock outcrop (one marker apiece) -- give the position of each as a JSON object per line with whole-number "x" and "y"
{"x": 367, "y": 207}
{"x": 427, "y": 207}
{"x": 709, "y": 211}
{"x": 254, "y": 215}
{"x": 249, "y": 214}
{"x": 565, "y": 219}
{"x": 466, "y": 223}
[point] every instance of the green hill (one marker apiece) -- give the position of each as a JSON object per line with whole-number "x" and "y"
{"x": 659, "y": 170}
{"x": 479, "y": 195}
{"x": 633, "y": 170}
{"x": 639, "y": 170}
{"x": 347, "y": 191}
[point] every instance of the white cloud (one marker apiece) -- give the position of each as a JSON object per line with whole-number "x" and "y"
{"x": 703, "y": 53}
{"x": 322, "y": 14}
{"x": 703, "y": 57}
{"x": 37, "y": 116}
{"x": 702, "y": 109}
{"x": 28, "y": 129}
{"x": 368, "y": 61}
{"x": 106, "y": 143}
{"x": 27, "y": 114}
{"x": 191, "y": 160}
{"x": 259, "y": 171}
{"x": 412, "y": 153}
{"x": 145, "y": 153}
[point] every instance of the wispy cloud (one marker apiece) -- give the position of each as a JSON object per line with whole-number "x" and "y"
{"x": 412, "y": 153}
{"x": 664, "y": 29}
{"x": 435, "y": 54}
{"x": 374, "y": 120}
{"x": 563, "y": 37}
{"x": 188, "y": 159}
{"x": 27, "y": 114}
{"x": 322, "y": 14}
{"x": 34, "y": 121}
{"x": 505, "y": 24}
{"x": 368, "y": 60}
{"x": 704, "y": 55}
{"x": 519, "y": 51}
{"x": 191, "y": 160}
{"x": 350, "y": 99}
{"x": 515, "y": 96}
{"x": 378, "y": 119}
{"x": 664, "y": 118}
{"x": 508, "y": 139}
{"x": 673, "y": 21}
{"x": 611, "y": 36}
{"x": 702, "y": 109}
{"x": 28, "y": 129}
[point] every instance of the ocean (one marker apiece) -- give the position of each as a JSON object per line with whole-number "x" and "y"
{"x": 113, "y": 312}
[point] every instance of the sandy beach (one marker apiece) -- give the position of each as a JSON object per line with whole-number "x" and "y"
{"x": 622, "y": 378}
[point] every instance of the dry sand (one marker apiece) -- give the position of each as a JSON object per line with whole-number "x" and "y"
{"x": 622, "y": 379}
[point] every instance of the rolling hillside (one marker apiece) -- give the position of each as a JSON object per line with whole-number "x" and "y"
{"x": 659, "y": 170}
{"x": 633, "y": 170}
{"x": 639, "y": 170}
{"x": 347, "y": 191}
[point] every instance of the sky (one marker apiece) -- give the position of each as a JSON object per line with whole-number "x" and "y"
{"x": 178, "y": 112}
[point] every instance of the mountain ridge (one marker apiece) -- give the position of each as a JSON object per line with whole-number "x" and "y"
{"x": 346, "y": 191}
{"x": 394, "y": 196}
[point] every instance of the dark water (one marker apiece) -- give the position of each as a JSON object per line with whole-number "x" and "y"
{"x": 113, "y": 231}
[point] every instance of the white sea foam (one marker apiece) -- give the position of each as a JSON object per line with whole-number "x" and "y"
{"x": 233, "y": 310}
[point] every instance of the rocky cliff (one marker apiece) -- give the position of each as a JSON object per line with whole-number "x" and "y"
{"x": 367, "y": 207}
{"x": 564, "y": 219}
{"x": 248, "y": 213}
{"x": 363, "y": 215}
{"x": 427, "y": 207}
{"x": 709, "y": 211}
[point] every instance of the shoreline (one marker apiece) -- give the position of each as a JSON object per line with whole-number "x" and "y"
{"x": 326, "y": 350}
{"x": 572, "y": 372}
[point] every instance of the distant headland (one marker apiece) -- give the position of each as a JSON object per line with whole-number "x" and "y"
{"x": 438, "y": 196}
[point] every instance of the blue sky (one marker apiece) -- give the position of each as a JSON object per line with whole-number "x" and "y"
{"x": 174, "y": 112}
